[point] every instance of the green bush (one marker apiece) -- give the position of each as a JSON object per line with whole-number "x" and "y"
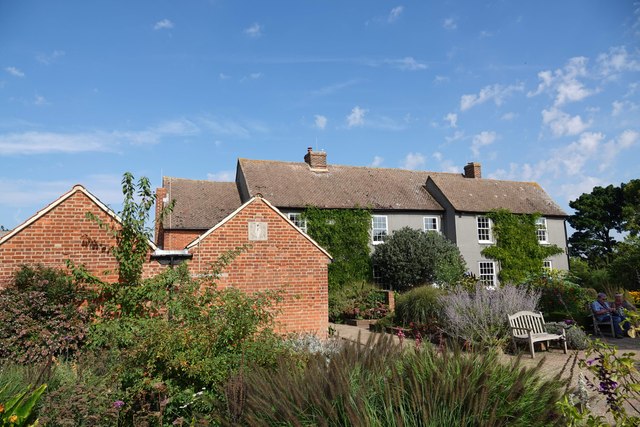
{"x": 421, "y": 306}
{"x": 357, "y": 300}
{"x": 576, "y": 338}
{"x": 39, "y": 316}
{"x": 381, "y": 385}
{"x": 560, "y": 296}
{"x": 410, "y": 258}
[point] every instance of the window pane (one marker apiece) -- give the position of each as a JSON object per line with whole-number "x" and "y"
{"x": 487, "y": 274}
{"x": 378, "y": 228}
{"x": 484, "y": 229}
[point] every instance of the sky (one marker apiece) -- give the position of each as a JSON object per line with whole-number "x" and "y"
{"x": 545, "y": 91}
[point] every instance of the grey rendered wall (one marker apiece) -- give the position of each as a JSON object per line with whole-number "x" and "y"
{"x": 467, "y": 241}
{"x": 396, "y": 221}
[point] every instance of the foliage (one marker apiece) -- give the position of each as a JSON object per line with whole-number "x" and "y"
{"x": 357, "y": 300}
{"x": 517, "y": 247}
{"x": 559, "y": 297}
{"x": 576, "y": 338}
{"x": 380, "y": 384}
{"x": 421, "y": 305}
{"x": 597, "y": 215}
{"x": 39, "y": 316}
{"x": 18, "y": 410}
{"x": 480, "y": 317}
{"x": 344, "y": 233}
{"x": 625, "y": 266}
{"x": 411, "y": 258}
{"x": 615, "y": 377}
{"x": 631, "y": 207}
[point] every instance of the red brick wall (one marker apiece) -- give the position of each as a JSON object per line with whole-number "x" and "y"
{"x": 179, "y": 239}
{"x": 60, "y": 234}
{"x": 286, "y": 260}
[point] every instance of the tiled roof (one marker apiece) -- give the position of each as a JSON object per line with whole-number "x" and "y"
{"x": 483, "y": 195}
{"x": 199, "y": 204}
{"x": 294, "y": 185}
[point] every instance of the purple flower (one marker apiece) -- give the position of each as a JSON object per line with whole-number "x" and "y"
{"x": 590, "y": 362}
{"x": 118, "y": 404}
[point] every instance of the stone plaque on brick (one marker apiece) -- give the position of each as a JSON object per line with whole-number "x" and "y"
{"x": 257, "y": 231}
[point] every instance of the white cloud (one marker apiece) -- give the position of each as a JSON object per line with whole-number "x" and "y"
{"x": 164, "y": 24}
{"x": 565, "y": 83}
{"x": 356, "y": 118}
{"x": 225, "y": 176}
{"x": 320, "y": 121}
{"x": 229, "y": 128}
{"x": 496, "y": 92}
{"x": 255, "y": 76}
{"x": 457, "y": 135}
{"x": 613, "y": 148}
{"x": 437, "y": 155}
{"x": 395, "y": 13}
{"x": 562, "y": 124}
{"x": 49, "y": 58}
{"x": 414, "y": 161}
{"x": 508, "y": 116}
{"x": 441, "y": 79}
{"x": 223, "y": 76}
{"x": 620, "y": 107}
{"x": 377, "y": 161}
{"x": 482, "y": 139}
{"x": 40, "y": 101}
{"x": 452, "y": 118}
{"x": 254, "y": 31}
{"x": 616, "y": 61}
{"x": 14, "y": 71}
{"x": 449, "y": 24}
{"x": 407, "y": 63}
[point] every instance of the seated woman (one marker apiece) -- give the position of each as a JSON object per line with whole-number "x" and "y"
{"x": 603, "y": 312}
{"x": 623, "y": 305}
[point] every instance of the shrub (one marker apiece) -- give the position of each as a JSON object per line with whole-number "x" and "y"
{"x": 560, "y": 296}
{"x": 480, "y": 317}
{"x": 379, "y": 384}
{"x": 576, "y": 338}
{"x": 39, "y": 316}
{"x": 357, "y": 300}
{"x": 420, "y": 305}
{"x": 411, "y": 258}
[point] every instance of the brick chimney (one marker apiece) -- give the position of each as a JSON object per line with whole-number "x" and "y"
{"x": 317, "y": 160}
{"x": 472, "y": 170}
{"x": 161, "y": 194}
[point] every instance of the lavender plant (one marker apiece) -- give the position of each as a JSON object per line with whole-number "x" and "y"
{"x": 480, "y": 317}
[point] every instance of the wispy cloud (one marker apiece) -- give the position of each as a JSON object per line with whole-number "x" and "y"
{"x": 457, "y": 135}
{"x": 356, "y": 117}
{"x": 333, "y": 88}
{"x": 50, "y": 58}
{"x": 223, "y": 76}
{"x": 496, "y": 93}
{"x": 414, "y": 161}
{"x": 254, "y": 30}
{"x": 508, "y": 116}
{"x": 621, "y": 107}
{"x": 40, "y": 101}
{"x": 14, "y": 71}
{"x": 452, "y": 118}
{"x": 376, "y": 162}
{"x": 225, "y": 176}
{"x": 482, "y": 140}
{"x": 320, "y": 121}
{"x": 565, "y": 83}
{"x": 395, "y": 14}
{"x": 164, "y": 24}
{"x": 616, "y": 61}
{"x": 562, "y": 124}
{"x": 449, "y": 24}
{"x": 407, "y": 63}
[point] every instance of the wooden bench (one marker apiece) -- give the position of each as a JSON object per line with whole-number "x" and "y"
{"x": 530, "y": 326}
{"x": 597, "y": 324}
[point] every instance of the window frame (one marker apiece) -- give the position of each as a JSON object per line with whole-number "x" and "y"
{"x": 493, "y": 274}
{"x": 297, "y": 220}
{"x": 542, "y": 230}
{"x": 429, "y": 217}
{"x": 547, "y": 265}
{"x": 374, "y": 228}
{"x": 488, "y": 229}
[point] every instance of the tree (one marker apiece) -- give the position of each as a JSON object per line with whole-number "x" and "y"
{"x": 517, "y": 247}
{"x": 624, "y": 269}
{"x": 597, "y": 215}
{"x": 411, "y": 258}
{"x": 631, "y": 207}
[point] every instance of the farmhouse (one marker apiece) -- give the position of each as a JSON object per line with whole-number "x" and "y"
{"x": 450, "y": 203}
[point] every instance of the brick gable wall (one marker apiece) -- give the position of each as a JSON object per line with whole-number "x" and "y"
{"x": 60, "y": 234}
{"x": 286, "y": 261}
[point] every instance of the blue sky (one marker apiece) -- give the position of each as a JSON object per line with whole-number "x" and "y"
{"x": 545, "y": 91}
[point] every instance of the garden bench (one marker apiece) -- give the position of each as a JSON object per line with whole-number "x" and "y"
{"x": 530, "y": 326}
{"x": 599, "y": 323}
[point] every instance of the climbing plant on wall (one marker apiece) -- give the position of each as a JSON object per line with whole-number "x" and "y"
{"x": 517, "y": 247}
{"x": 345, "y": 234}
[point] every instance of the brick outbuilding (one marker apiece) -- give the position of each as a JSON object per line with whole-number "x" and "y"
{"x": 278, "y": 256}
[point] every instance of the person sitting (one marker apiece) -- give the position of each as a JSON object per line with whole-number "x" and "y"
{"x": 623, "y": 305}
{"x": 605, "y": 312}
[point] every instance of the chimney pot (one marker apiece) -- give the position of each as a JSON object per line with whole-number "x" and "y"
{"x": 472, "y": 170}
